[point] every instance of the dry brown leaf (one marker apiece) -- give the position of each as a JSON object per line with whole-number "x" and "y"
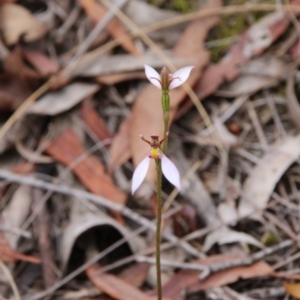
{"x": 4, "y": 2}
{"x": 94, "y": 121}
{"x": 146, "y": 117}
{"x": 17, "y": 81}
{"x": 9, "y": 255}
{"x": 295, "y": 50}
{"x": 120, "y": 147}
{"x": 24, "y": 168}
{"x": 96, "y": 12}
{"x": 293, "y": 289}
{"x": 111, "y": 79}
{"x": 135, "y": 274}
{"x": 42, "y": 63}
{"x": 185, "y": 221}
{"x": 17, "y": 21}
{"x": 189, "y": 280}
{"x": 263, "y": 178}
{"x": 15, "y": 65}
{"x": 67, "y": 148}
{"x": 115, "y": 287}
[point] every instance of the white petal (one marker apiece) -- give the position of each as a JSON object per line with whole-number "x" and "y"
{"x": 153, "y": 76}
{"x": 180, "y": 76}
{"x": 140, "y": 174}
{"x": 170, "y": 171}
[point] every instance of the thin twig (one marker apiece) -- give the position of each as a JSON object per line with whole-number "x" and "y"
{"x": 11, "y": 280}
{"x": 248, "y": 260}
{"x": 173, "y": 264}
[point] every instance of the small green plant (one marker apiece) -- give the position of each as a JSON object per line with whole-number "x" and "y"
{"x": 183, "y": 6}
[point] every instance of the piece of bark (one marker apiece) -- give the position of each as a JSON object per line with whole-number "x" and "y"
{"x": 44, "y": 240}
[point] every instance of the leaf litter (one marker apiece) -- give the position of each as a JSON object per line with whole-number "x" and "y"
{"x": 239, "y": 213}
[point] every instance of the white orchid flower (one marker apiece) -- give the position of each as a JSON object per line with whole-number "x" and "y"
{"x": 168, "y": 168}
{"x": 166, "y": 80}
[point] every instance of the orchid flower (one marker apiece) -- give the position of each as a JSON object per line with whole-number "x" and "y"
{"x": 168, "y": 168}
{"x": 166, "y": 80}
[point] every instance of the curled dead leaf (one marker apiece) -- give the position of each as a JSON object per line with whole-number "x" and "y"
{"x": 263, "y": 178}
{"x": 225, "y": 235}
{"x": 96, "y": 226}
{"x": 17, "y": 21}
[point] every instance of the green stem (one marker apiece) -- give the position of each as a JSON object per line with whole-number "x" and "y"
{"x": 158, "y": 227}
{"x": 166, "y": 129}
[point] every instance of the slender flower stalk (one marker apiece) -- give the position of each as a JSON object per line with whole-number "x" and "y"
{"x": 164, "y": 81}
{"x": 163, "y": 166}
{"x": 158, "y": 228}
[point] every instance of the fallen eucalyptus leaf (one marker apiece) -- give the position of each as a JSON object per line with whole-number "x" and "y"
{"x": 59, "y": 101}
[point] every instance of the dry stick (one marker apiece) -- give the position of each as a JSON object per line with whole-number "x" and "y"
{"x": 221, "y": 266}
{"x": 68, "y": 23}
{"x": 257, "y": 126}
{"x": 288, "y": 231}
{"x": 44, "y": 240}
{"x": 173, "y": 264}
{"x": 110, "y": 45}
{"x": 286, "y": 261}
